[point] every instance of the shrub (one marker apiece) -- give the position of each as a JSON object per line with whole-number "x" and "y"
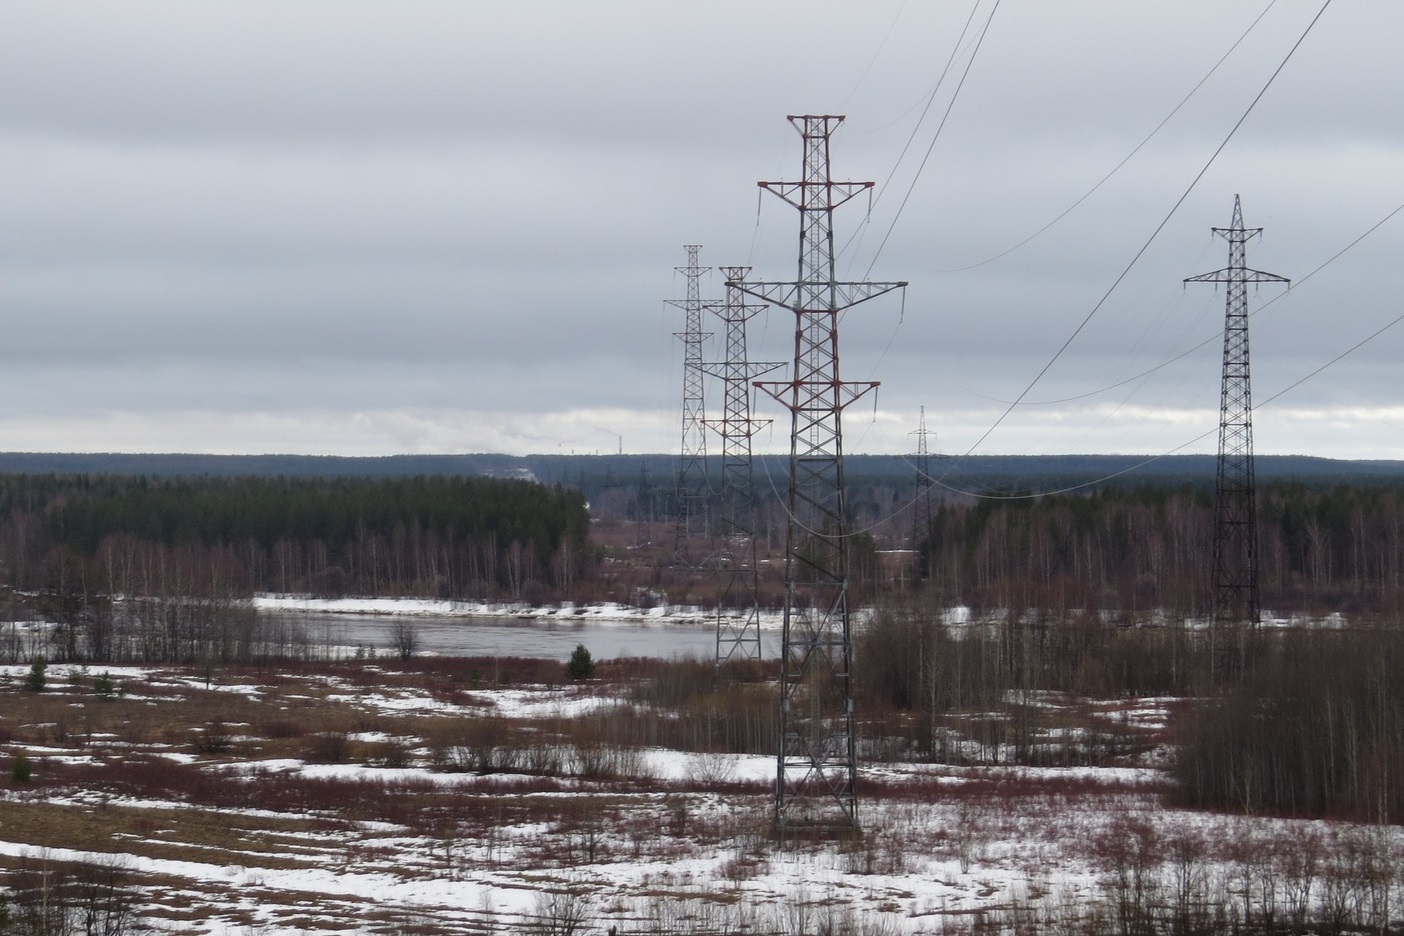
{"x": 214, "y": 738}
{"x": 328, "y": 747}
{"x": 58, "y": 897}
{"x": 1314, "y": 731}
{"x": 392, "y": 753}
{"x": 283, "y": 728}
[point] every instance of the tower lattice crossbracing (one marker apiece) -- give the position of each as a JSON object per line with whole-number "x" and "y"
{"x": 738, "y": 599}
{"x": 921, "y": 503}
{"x": 1235, "y": 572}
{"x": 692, "y": 466}
{"x": 817, "y": 764}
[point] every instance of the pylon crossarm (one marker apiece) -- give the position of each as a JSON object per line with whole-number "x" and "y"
{"x": 838, "y": 192}
{"x": 1230, "y": 275}
{"x": 745, "y": 371}
{"x": 787, "y": 295}
{"x": 786, "y": 391}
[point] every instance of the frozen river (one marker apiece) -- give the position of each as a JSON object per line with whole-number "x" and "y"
{"x": 548, "y": 637}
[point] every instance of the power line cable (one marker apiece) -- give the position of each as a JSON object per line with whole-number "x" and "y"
{"x": 1153, "y": 458}
{"x": 949, "y": 105}
{"x": 1154, "y": 234}
{"x": 974, "y": 54}
{"x": 1075, "y": 204}
{"x": 1083, "y": 485}
{"x": 930, "y": 99}
{"x": 1075, "y": 487}
{"x": 881, "y": 45}
{"x": 1263, "y": 403}
{"x": 1127, "y": 158}
{"x": 1292, "y": 290}
{"x": 916, "y": 128}
{"x": 1135, "y": 259}
{"x": 1352, "y": 349}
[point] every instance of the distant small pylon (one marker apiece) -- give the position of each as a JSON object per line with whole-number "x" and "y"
{"x": 738, "y": 598}
{"x": 692, "y": 465}
{"x": 921, "y": 503}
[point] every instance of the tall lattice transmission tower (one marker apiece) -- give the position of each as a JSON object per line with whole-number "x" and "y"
{"x": 816, "y": 771}
{"x": 738, "y": 598}
{"x": 692, "y": 466}
{"x": 1235, "y": 574}
{"x": 921, "y": 503}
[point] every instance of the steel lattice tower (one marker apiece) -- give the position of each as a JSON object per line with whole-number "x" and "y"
{"x": 1235, "y": 574}
{"x": 921, "y": 504}
{"x": 692, "y": 466}
{"x": 816, "y": 769}
{"x": 738, "y": 636}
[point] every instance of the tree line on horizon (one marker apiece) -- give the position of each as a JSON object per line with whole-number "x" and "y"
{"x": 1146, "y": 550}
{"x": 183, "y": 552}
{"x": 1134, "y": 552}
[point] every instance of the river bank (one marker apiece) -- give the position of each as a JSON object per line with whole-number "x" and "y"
{"x": 602, "y": 613}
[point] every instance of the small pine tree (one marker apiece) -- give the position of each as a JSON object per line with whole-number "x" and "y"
{"x": 581, "y": 666}
{"x": 20, "y": 771}
{"x": 38, "y": 674}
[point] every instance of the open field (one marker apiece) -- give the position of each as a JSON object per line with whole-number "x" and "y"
{"x": 442, "y": 795}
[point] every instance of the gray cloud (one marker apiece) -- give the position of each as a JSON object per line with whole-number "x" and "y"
{"x": 364, "y": 227}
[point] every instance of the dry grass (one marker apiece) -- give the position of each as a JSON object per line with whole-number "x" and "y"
{"x": 179, "y": 769}
{"x": 176, "y": 769}
{"x": 261, "y": 842}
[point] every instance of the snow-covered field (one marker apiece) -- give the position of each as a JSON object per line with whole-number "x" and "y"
{"x": 319, "y": 799}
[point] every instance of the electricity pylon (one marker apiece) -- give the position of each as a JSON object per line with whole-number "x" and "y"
{"x": 921, "y": 504}
{"x": 1235, "y": 574}
{"x": 816, "y": 770}
{"x": 692, "y": 466}
{"x": 738, "y": 593}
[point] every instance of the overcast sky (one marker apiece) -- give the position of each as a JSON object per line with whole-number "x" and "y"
{"x": 374, "y": 228}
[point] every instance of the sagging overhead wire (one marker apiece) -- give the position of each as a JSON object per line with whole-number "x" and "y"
{"x": 949, "y": 105}
{"x": 881, "y": 45}
{"x": 1075, "y": 204}
{"x": 911, "y": 138}
{"x": 984, "y": 31}
{"x": 1083, "y": 485}
{"x": 1125, "y": 159}
{"x": 939, "y": 482}
{"x": 930, "y": 99}
{"x": 1150, "y": 459}
{"x": 1262, "y": 403}
{"x": 1348, "y": 351}
{"x": 846, "y": 534}
{"x": 1293, "y": 289}
{"x": 1155, "y": 233}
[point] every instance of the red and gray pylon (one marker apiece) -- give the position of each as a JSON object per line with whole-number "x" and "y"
{"x": 816, "y": 772}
